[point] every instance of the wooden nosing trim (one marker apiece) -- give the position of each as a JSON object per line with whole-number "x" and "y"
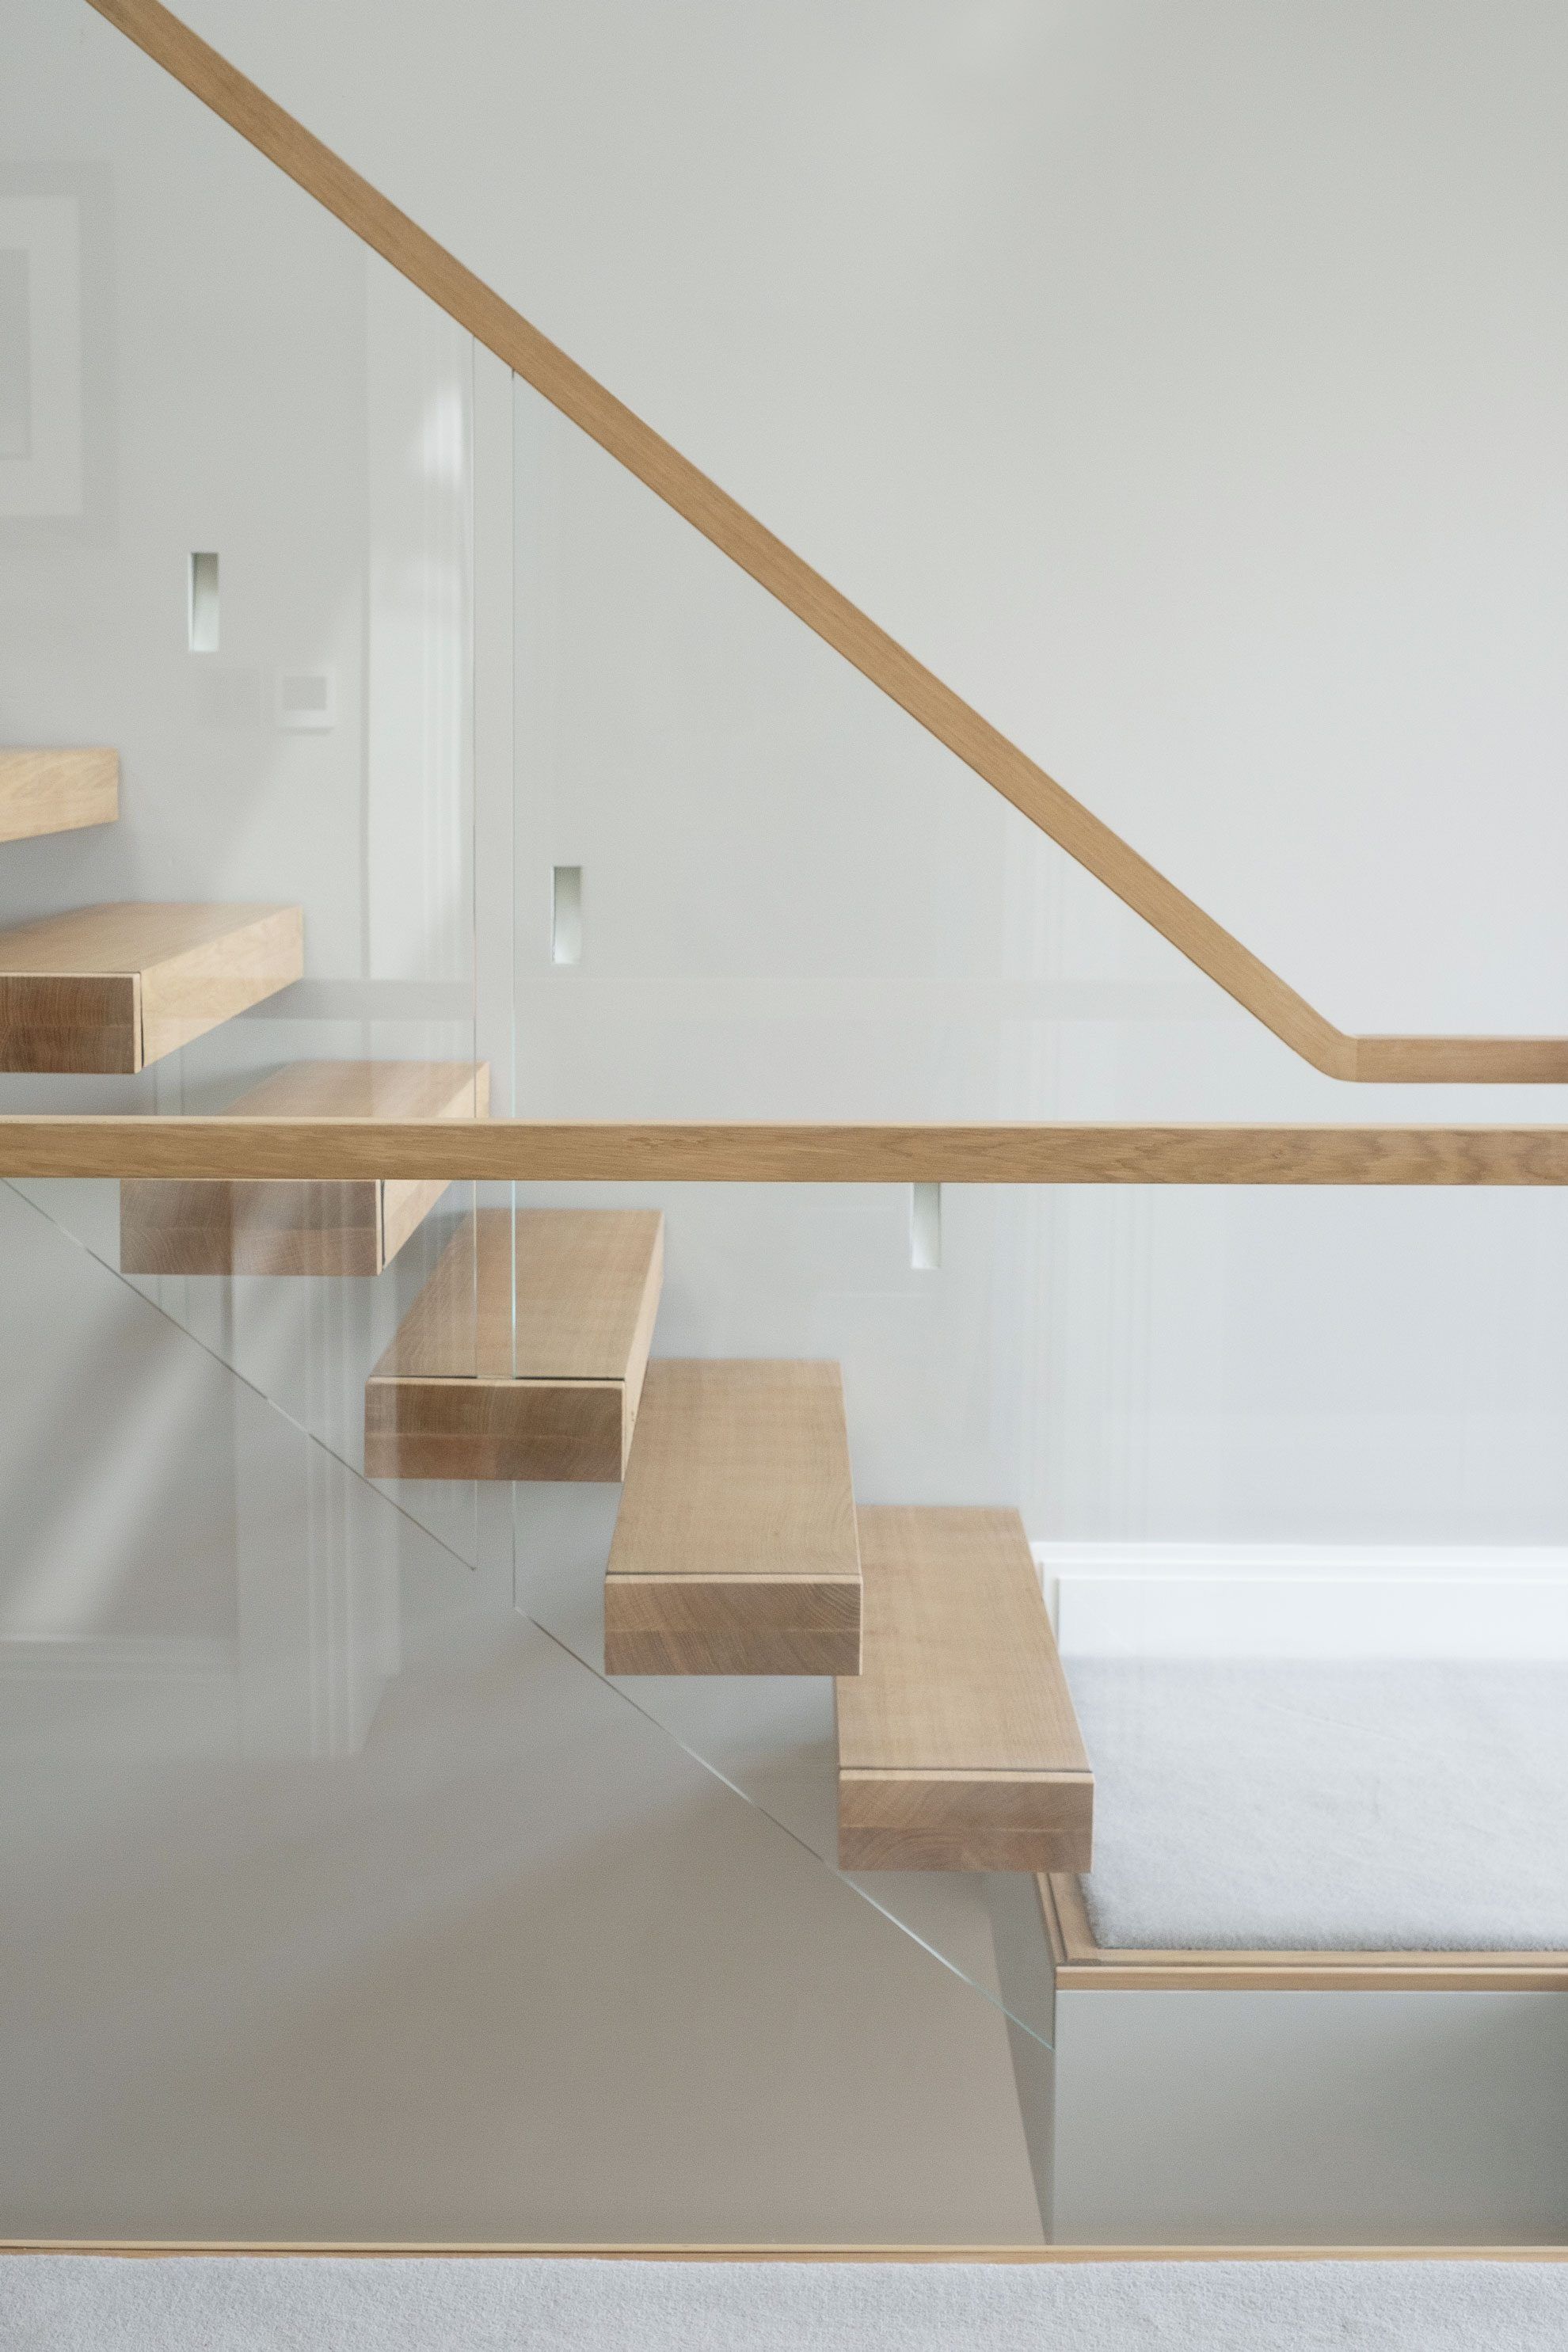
{"x": 682, "y": 1579}
{"x": 961, "y": 1773}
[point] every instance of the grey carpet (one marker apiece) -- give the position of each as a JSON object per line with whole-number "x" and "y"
{"x": 1384, "y": 1806}
{"x": 210, "y": 2303}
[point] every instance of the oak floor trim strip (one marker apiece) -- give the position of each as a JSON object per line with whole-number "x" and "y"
{"x": 1082, "y": 1965}
{"x": 726, "y": 525}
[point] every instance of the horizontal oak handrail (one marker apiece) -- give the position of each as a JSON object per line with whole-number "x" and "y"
{"x": 576, "y": 1151}
{"x": 786, "y": 576}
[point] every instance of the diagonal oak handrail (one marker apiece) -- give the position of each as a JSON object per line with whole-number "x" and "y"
{"x": 786, "y": 576}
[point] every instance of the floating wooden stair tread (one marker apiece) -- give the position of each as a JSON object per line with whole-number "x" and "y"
{"x": 57, "y": 791}
{"x": 958, "y": 1747}
{"x": 524, "y": 1355}
{"x": 292, "y": 1227}
{"x": 735, "y": 1550}
{"x": 110, "y": 989}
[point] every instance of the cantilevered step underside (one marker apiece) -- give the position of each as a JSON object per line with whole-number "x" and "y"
{"x": 57, "y": 791}
{"x": 301, "y": 1228}
{"x": 735, "y": 1551}
{"x": 958, "y": 1747}
{"x": 110, "y": 989}
{"x": 524, "y": 1355}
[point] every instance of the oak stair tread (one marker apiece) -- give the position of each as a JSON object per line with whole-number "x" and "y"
{"x": 110, "y": 989}
{"x": 290, "y": 1227}
{"x": 958, "y": 1745}
{"x": 735, "y": 1551}
{"x": 45, "y": 790}
{"x": 523, "y": 1356}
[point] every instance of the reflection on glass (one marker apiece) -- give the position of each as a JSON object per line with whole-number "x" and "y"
{"x": 347, "y": 1897}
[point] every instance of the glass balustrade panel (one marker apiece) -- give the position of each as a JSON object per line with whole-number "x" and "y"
{"x": 240, "y": 546}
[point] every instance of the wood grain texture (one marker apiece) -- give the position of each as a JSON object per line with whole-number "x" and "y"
{"x": 298, "y": 1228}
{"x": 524, "y": 1355}
{"x": 736, "y": 1550}
{"x": 57, "y": 791}
{"x": 804, "y": 592}
{"x": 1082, "y": 1965}
{"x": 958, "y": 1747}
{"x": 111, "y": 989}
{"x": 557, "y": 1294}
{"x": 537, "y": 1152}
{"x": 1426, "y": 1061}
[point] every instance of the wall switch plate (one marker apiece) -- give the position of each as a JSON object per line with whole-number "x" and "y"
{"x": 307, "y": 700}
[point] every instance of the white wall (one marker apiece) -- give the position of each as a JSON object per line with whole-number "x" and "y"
{"x": 257, "y": 386}
{"x": 225, "y": 332}
{"x": 1181, "y": 384}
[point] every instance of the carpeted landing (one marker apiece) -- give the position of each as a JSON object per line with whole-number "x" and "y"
{"x": 1386, "y": 1806}
{"x": 54, "y": 2303}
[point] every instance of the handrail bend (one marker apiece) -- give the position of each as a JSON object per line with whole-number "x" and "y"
{"x": 786, "y": 576}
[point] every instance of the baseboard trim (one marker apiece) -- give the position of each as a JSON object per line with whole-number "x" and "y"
{"x": 1308, "y": 1600}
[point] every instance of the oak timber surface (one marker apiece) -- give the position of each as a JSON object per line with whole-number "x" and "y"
{"x": 609, "y": 1151}
{"x": 567, "y": 1306}
{"x": 110, "y": 989}
{"x": 301, "y": 1228}
{"x": 735, "y": 1550}
{"x": 958, "y": 1747}
{"x": 804, "y": 592}
{"x": 524, "y": 1355}
{"x": 57, "y": 791}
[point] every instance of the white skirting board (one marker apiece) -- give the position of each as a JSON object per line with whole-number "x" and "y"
{"x": 1299, "y": 1601}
